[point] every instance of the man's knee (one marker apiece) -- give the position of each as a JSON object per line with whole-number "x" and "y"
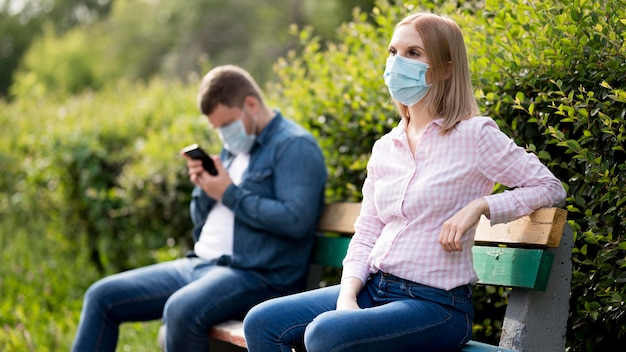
{"x": 183, "y": 322}
{"x": 175, "y": 311}
{"x": 100, "y": 294}
{"x": 180, "y": 315}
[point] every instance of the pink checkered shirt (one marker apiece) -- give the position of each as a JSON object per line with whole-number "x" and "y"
{"x": 406, "y": 199}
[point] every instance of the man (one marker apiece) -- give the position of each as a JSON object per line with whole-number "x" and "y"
{"x": 254, "y": 226}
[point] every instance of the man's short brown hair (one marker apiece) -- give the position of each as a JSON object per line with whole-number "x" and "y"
{"x": 227, "y": 85}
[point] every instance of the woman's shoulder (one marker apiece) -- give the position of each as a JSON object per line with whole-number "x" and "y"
{"x": 476, "y": 123}
{"x": 395, "y": 133}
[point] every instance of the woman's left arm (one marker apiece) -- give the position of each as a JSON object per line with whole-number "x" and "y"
{"x": 532, "y": 185}
{"x": 501, "y": 160}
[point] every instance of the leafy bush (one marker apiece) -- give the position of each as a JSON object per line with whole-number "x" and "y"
{"x": 553, "y": 74}
{"x": 90, "y": 184}
{"x": 52, "y": 70}
{"x": 106, "y": 166}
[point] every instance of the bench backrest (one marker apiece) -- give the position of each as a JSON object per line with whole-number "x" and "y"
{"x": 511, "y": 254}
{"x": 336, "y": 227}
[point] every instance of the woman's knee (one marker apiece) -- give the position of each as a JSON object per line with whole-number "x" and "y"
{"x": 321, "y": 334}
{"x": 260, "y": 317}
{"x": 277, "y": 321}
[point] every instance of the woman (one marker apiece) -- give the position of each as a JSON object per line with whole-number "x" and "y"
{"x": 407, "y": 276}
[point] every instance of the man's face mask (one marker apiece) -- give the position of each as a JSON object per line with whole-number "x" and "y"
{"x": 235, "y": 138}
{"x": 406, "y": 79}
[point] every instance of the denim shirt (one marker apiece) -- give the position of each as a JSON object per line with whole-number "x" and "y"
{"x": 277, "y": 205}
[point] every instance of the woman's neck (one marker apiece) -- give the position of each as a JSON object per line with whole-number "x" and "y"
{"x": 418, "y": 117}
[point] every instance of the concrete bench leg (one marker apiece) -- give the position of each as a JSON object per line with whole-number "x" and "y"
{"x": 537, "y": 321}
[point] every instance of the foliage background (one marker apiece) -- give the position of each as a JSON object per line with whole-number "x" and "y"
{"x": 92, "y": 183}
{"x": 69, "y": 45}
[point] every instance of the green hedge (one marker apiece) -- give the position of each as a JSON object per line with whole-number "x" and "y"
{"x": 106, "y": 166}
{"x": 90, "y": 185}
{"x": 557, "y": 85}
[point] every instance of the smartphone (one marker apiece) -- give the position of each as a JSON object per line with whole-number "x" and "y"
{"x": 195, "y": 152}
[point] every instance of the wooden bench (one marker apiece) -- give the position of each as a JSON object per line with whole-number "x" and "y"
{"x": 531, "y": 255}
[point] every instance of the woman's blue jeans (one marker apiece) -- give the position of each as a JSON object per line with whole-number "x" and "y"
{"x": 190, "y": 294}
{"x": 396, "y": 315}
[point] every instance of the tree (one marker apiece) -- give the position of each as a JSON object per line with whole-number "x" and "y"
{"x": 21, "y": 22}
{"x": 138, "y": 40}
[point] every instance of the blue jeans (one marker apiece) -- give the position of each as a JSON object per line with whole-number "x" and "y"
{"x": 398, "y": 316}
{"x": 190, "y": 294}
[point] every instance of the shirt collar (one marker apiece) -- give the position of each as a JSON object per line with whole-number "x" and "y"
{"x": 270, "y": 128}
{"x": 399, "y": 132}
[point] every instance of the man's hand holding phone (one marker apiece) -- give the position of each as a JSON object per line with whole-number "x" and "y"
{"x": 215, "y": 180}
{"x": 195, "y": 152}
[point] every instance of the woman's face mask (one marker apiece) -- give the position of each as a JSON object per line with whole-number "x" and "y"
{"x": 235, "y": 138}
{"x": 406, "y": 79}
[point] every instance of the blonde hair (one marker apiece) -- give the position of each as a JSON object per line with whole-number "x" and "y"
{"x": 451, "y": 98}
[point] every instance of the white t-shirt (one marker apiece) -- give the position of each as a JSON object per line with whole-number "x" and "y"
{"x": 216, "y": 238}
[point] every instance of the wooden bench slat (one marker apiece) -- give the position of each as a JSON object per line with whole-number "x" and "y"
{"x": 339, "y": 217}
{"x": 513, "y": 267}
{"x": 230, "y": 331}
{"x": 543, "y": 227}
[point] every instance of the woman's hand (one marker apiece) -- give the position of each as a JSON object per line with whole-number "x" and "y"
{"x": 454, "y": 228}
{"x": 347, "y": 303}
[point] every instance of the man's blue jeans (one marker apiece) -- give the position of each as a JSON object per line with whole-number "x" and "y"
{"x": 190, "y": 294}
{"x": 398, "y": 316}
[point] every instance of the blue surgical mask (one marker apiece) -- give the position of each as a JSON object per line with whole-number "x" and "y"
{"x": 235, "y": 138}
{"x": 406, "y": 79}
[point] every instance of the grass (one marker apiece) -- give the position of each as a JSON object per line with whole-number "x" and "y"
{"x": 138, "y": 337}
{"x": 42, "y": 279}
